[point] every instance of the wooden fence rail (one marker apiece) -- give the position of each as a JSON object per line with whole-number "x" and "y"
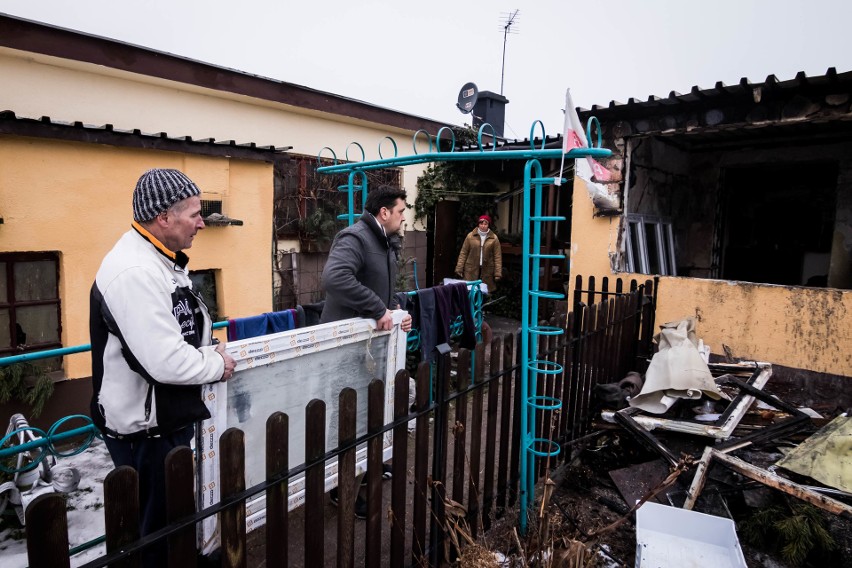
{"x": 464, "y": 449}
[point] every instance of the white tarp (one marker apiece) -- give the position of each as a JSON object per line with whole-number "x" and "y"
{"x": 677, "y": 370}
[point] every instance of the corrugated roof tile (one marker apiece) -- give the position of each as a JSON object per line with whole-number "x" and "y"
{"x": 11, "y": 115}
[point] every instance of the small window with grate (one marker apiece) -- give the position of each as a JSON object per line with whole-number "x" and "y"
{"x": 210, "y": 206}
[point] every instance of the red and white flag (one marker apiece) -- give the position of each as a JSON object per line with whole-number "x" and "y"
{"x": 574, "y": 136}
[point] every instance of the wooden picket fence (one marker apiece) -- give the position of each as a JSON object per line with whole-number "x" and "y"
{"x": 471, "y": 430}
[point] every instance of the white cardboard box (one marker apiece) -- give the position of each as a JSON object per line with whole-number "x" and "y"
{"x": 668, "y": 537}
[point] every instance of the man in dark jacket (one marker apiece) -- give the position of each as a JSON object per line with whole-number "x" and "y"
{"x": 360, "y": 274}
{"x": 362, "y": 264}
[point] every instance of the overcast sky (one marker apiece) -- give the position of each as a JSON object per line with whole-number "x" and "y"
{"x": 415, "y": 56}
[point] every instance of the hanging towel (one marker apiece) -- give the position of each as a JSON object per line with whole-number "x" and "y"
{"x": 244, "y": 328}
{"x": 452, "y": 301}
{"x": 264, "y": 324}
{"x": 461, "y": 306}
{"x": 443, "y": 313}
{"x": 428, "y": 322}
{"x": 280, "y": 321}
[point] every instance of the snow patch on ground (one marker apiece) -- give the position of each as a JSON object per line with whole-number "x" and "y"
{"x": 85, "y": 511}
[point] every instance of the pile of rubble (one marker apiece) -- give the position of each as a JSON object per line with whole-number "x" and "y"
{"x": 697, "y": 463}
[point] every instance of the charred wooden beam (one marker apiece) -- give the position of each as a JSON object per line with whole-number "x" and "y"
{"x": 762, "y": 476}
{"x": 626, "y": 421}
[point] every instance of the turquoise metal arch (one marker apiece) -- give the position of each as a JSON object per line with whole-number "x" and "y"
{"x": 532, "y": 135}
{"x": 452, "y": 139}
{"x": 479, "y": 136}
{"x": 593, "y": 120}
{"x": 333, "y": 155}
{"x": 393, "y": 142}
{"x": 363, "y": 155}
{"x": 414, "y": 140}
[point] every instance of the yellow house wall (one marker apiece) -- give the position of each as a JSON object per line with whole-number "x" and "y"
{"x": 803, "y": 328}
{"x": 593, "y": 239}
{"x": 38, "y": 85}
{"x": 75, "y": 198}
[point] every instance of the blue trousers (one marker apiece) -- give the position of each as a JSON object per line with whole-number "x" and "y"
{"x": 148, "y": 457}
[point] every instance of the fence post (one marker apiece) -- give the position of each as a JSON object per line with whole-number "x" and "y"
{"x": 399, "y": 482}
{"x": 277, "y": 464}
{"x": 315, "y": 483}
{"x": 491, "y": 431}
{"x": 421, "y": 463}
{"x": 649, "y": 314}
{"x": 463, "y": 381}
{"x": 375, "y": 422}
{"x": 346, "y": 490}
{"x": 47, "y": 532}
{"x": 505, "y": 424}
{"x": 568, "y": 400}
{"x": 439, "y": 457}
{"x": 518, "y": 406}
{"x": 180, "y": 502}
{"x": 121, "y": 512}
{"x": 232, "y": 478}
{"x": 578, "y": 294}
{"x": 590, "y": 298}
{"x": 474, "y": 492}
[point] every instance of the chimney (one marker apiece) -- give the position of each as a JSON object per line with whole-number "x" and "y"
{"x": 491, "y": 108}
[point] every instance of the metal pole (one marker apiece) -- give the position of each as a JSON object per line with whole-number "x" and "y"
{"x": 503, "y": 67}
{"x": 509, "y": 21}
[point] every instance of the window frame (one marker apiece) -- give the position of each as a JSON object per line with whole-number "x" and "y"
{"x": 9, "y": 302}
{"x": 637, "y": 245}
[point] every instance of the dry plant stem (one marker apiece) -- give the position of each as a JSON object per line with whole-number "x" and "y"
{"x": 549, "y": 487}
{"x": 544, "y": 518}
{"x": 523, "y": 554}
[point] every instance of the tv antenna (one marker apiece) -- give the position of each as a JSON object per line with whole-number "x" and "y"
{"x": 509, "y": 19}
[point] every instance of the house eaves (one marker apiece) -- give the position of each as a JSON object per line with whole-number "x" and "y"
{"x": 821, "y": 98}
{"x": 35, "y": 37}
{"x": 10, "y": 124}
{"x": 744, "y": 94}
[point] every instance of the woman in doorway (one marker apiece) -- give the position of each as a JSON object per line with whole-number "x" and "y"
{"x": 481, "y": 257}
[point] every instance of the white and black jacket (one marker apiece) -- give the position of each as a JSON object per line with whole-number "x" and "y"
{"x": 151, "y": 341}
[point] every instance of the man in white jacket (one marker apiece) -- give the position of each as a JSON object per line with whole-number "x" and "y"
{"x": 152, "y": 344}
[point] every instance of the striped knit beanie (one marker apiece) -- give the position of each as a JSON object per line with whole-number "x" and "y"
{"x": 159, "y": 189}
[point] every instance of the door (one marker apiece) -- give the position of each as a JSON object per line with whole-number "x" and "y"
{"x": 445, "y": 248}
